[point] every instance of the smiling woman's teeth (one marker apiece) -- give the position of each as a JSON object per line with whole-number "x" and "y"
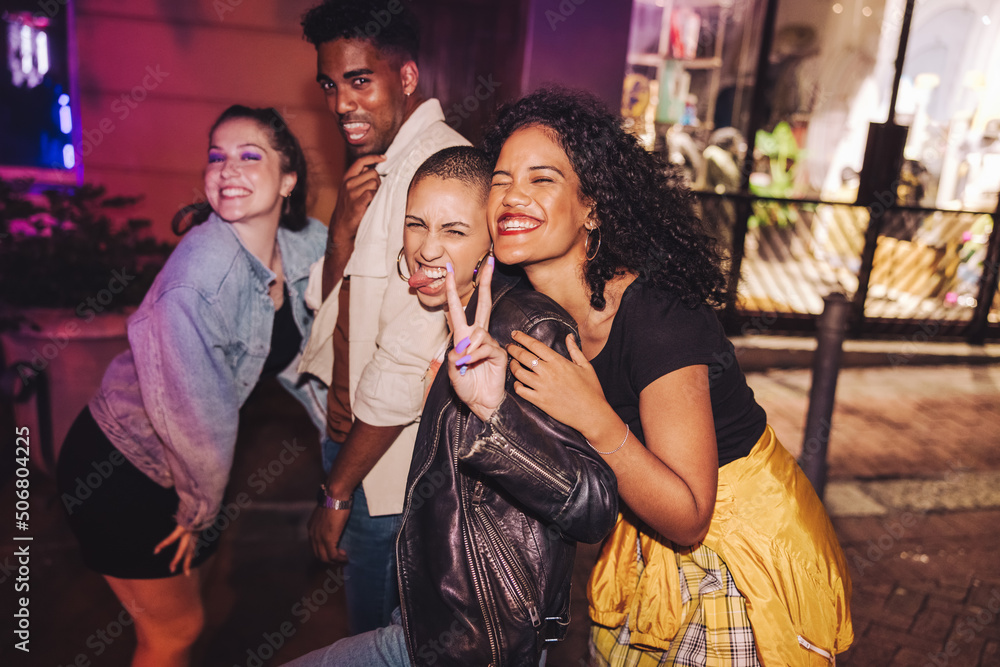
{"x": 234, "y": 192}
{"x": 517, "y": 223}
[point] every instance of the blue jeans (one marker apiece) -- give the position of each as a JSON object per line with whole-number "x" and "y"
{"x": 385, "y": 647}
{"x": 370, "y": 574}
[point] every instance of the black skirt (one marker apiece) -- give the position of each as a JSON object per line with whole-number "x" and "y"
{"x": 116, "y": 512}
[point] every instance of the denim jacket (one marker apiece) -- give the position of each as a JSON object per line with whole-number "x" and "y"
{"x": 197, "y": 345}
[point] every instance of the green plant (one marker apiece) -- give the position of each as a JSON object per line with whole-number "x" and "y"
{"x": 784, "y": 156}
{"x": 61, "y": 247}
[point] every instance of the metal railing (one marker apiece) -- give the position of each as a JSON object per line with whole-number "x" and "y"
{"x": 928, "y": 267}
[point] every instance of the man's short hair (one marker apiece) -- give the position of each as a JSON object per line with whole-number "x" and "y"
{"x": 469, "y": 165}
{"x": 388, "y": 24}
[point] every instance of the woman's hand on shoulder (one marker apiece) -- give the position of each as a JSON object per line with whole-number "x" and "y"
{"x": 477, "y": 365}
{"x": 566, "y": 389}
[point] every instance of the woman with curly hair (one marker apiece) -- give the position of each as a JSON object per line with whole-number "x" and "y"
{"x": 724, "y": 554}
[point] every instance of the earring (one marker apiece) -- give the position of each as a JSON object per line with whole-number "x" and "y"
{"x": 399, "y": 267}
{"x": 479, "y": 265}
{"x": 591, "y": 255}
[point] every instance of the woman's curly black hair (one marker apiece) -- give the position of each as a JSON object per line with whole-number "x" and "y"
{"x": 293, "y": 161}
{"x": 647, "y": 221}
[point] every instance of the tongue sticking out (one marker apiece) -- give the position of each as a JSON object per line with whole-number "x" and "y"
{"x": 420, "y": 279}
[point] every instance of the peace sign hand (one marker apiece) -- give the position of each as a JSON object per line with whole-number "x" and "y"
{"x": 477, "y": 365}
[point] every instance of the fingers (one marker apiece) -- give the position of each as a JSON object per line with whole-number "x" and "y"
{"x": 485, "y": 303}
{"x": 476, "y": 347}
{"x": 362, "y": 164}
{"x": 188, "y": 546}
{"x": 575, "y": 353}
{"x": 535, "y": 347}
{"x": 170, "y": 539}
{"x": 459, "y": 328}
{"x": 324, "y": 535}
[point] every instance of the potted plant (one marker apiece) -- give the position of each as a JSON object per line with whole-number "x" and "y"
{"x": 73, "y": 266}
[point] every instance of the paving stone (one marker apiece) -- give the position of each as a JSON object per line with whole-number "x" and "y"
{"x": 908, "y": 657}
{"x": 893, "y": 636}
{"x": 905, "y": 601}
{"x": 985, "y": 595}
{"x": 933, "y": 625}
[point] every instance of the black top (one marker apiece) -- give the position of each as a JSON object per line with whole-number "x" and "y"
{"x": 653, "y": 334}
{"x": 285, "y": 340}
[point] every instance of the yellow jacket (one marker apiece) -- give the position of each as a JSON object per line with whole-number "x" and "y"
{"x": 773, "y": 533}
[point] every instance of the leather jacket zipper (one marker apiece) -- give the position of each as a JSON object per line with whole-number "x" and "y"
{"x": 529, "y": 461}
{"x": 406, "y": 511}
{"x": 513, "y": 573}
{"x": 491, "y": 633}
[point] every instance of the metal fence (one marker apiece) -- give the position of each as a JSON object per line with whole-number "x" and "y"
{"x": 925, "y": 272}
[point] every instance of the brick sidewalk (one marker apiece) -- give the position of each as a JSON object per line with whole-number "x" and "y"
{"x": 925, "y": 583}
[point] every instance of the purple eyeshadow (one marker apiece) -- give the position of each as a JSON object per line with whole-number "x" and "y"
{"x": 250, "y": 156}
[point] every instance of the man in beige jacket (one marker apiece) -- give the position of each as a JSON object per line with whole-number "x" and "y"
{"x": 372, "y": 342}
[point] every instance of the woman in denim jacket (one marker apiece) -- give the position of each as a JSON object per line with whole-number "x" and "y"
{"x": 227, "y": 309}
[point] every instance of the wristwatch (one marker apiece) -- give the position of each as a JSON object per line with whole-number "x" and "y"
{"x": 324, "y": 500}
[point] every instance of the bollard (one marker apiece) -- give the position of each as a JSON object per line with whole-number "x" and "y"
{"x": 826, "y": 364}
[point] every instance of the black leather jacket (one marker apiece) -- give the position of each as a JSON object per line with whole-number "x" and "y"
{"x": 493, "y": 512}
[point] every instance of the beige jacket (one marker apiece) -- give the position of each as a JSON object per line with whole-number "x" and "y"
{"x": 392, "y": 337}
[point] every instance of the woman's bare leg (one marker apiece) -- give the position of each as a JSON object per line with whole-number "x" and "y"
{"x": 168, "y": 615}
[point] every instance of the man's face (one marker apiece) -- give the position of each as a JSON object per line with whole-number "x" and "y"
{"x": 366, "y": 90}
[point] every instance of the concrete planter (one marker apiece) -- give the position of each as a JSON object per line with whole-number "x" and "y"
{"x": 73, "y": 349}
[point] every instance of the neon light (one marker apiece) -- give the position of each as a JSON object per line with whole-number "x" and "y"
{"x": 26, "y": 44}
{"x": 65, "y": 120}
{"x": 42, "y": 53}
{"x": 63, "y": 100}
{"x": 69, "y": 157}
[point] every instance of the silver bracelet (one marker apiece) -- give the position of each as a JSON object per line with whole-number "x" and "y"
{"x": 624, "y": 440}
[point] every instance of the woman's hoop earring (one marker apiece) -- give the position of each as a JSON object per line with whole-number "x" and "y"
{"x": 479, "y": 265}
{"x": 399, "y": 266}
{"x": 591, "y": 255}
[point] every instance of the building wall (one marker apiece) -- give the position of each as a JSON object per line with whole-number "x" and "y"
{"x": 154, "y": 74}
{"x": 579, "y": 44}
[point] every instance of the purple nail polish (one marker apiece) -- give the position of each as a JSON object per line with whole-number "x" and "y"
{"x": 449, "y": 267}
{"x": 462, "y": 344}
{"x": 464, "y": 360}
{"x": 461, "y": 371}
{"x": 490, "y": 260}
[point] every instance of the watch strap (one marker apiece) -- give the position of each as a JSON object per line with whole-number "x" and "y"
{"x": 324, "y": 500}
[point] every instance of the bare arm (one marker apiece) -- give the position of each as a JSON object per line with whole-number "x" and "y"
{"x": 364, "y": 446}
{"x": 670, "y": 483}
